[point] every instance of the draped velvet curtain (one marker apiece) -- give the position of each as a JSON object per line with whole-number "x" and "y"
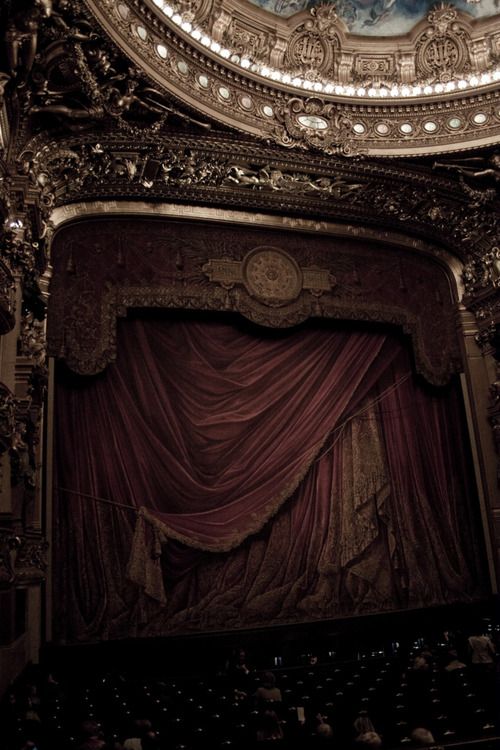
{"x": 271, "y": 477}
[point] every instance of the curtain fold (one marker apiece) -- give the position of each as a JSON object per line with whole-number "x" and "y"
{"x": 307, "y": 460}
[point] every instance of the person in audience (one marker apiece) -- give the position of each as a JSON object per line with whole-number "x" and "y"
{"x": 483, "y": 658}
{"x": 482, "y": 652}
{"x": 422, "y": 737}
{"x": 368, "y": 740}
{"x": 454, "y": 662}
{"x": 323, "y": 735}
{"x": 240, "y": 676}
{"x": 363, "y": 724}
{"x": 268, "y": 692}
{"x": 140, "y": 728}
{"x": 423, "y": 660}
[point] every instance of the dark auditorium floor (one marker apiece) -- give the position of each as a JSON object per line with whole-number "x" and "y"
{"x": 195, "y": 697}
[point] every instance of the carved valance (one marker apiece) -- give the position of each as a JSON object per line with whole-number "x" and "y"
{"x": 275, "y": 279}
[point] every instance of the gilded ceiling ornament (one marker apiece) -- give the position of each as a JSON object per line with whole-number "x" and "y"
{"x": 442, "y": 50}
{"x": 311, "y": 49}
{"x": 255, "y": 44}
{"x": 314, "y": 123}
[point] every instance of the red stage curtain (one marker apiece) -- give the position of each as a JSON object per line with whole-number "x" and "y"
{"x": 208, "y": 430}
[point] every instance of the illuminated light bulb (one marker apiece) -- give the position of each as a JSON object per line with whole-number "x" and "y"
{"x": 428, "y": 90}
{"x": 168, "y": 10}
{"x": 215, "y": 46}
{"x": 361, "y": 91}
{"x": 473, "y": 80}
{"x": 439, "y": 88}
{"x": 196, "y": 34}
{"x": 417, "y": 90}
{"x": 225, "y": 53}
{"x": 177, "y": 19}
{"x": 186, "y": 26}
{"x": 245, "y": 62}
{"x": 462, "y": 84}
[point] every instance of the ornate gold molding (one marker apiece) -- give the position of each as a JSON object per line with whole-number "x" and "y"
{"x": 441, "y": 90}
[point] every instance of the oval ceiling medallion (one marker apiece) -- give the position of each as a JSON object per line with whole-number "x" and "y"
{"x": 312, "y": 121}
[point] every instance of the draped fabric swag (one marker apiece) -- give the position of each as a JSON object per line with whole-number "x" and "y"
{"x": 323, "y": 476}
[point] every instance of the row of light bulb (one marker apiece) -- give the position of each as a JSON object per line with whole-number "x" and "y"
{"x": 471, "y": 81}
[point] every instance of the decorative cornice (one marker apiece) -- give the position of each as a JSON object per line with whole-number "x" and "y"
{"x": 227, "y": 172}
{"x": 430, "y": 109}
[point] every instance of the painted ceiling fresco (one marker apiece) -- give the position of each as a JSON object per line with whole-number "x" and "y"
{"x": 379, "y": 17}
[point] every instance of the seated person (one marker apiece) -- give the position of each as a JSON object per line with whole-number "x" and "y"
{"x": 268, "y": 692}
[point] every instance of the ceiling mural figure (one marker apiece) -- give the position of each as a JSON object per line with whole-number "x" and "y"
{"x": 380, "y": 17}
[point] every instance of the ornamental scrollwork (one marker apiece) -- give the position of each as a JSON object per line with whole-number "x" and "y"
{"x": 32, "y": 342}
{"x": 10, "y": 543}
{"x": 23, "y": 557}
{"x": 482, "y": 272}
{"x": 32, "y": 560}
{"x": 311, "y": 48}
{"x": 442, "y": 49}
{"x": 7, "y": 418}
{"x": 64, "y": 74}
{"x": 247, "y": 42}
{"x": 316, "y": 124}
{"x": 7, "y": 298}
